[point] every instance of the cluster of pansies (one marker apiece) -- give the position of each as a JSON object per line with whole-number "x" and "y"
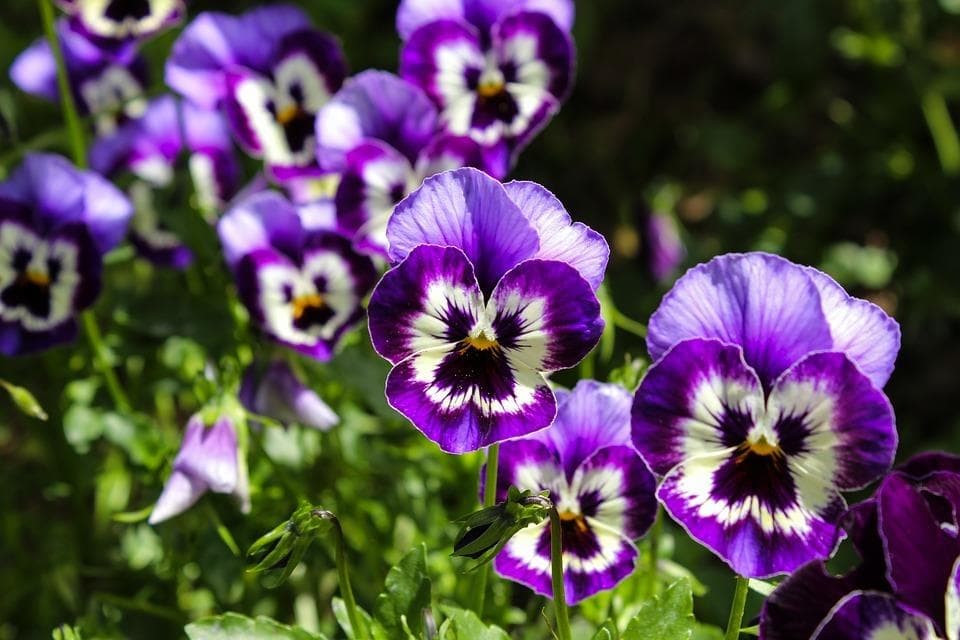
{"x": 765, "y": 398}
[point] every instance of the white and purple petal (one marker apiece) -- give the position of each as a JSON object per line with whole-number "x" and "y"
{"x": 261, "y": 220}
{"x": 560, "y": 238}
{"x": 277, "y": 392}
{"x": 469, "y": 210}
{"x": 374, "y": 105}
{"x": 768, "y": 306}
{"x": 123, "y": 20}
{"x": 413, "y": 14}
{"x": 871, "y": 615}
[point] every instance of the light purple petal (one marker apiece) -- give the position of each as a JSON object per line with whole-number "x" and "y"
{"x": 180, "y": 492}
{"x": 560, "y": 238}
{"x": 413, "y": 14}
{"x": 278, "y": 393}
{"x": 35, "y": 71}
{"x": 441, "y": 59}
{"x": 859, "y": 328}
{"x": 374, "y": 105}
{"x": 471, "y": 211}
{"x": 261, "y": 220}
{"x": 765, "y": 304}
{"x": 208, "y": 455}
{"x": 870, "y": 615}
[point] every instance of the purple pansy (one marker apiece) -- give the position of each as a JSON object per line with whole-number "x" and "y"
{"x": 209, "y": 460}
{"x": 270, "y": 71}
{"x": 276, "y": 392}
{"x": 302, "y": 286}
{"x": 494, "y": 287}
{"x": 380, "y": 133}
{"x": 497, "y": 70}
{"x": 150, "y": 148}
{"x": 908, "y": 579}
{"x": 123, "y": 19}
{"x": 106, "y": 83}
{"x": 662, "y": 250}
{"x": 56, "y": 222}
{"x": 763, "y": 404}
{"x": 600, "y": 486}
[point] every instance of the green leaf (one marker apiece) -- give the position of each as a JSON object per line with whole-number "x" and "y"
{"x": 462, "y": 624}
{"x": 233, "y": 626}
{"x": 607, "y": 632}
{"x": 343, "y": 618}
{"x": 81, "y": 426}
{"x": 406, "y": 595}
{"x": 66, "y": 632}
{"x": 669, "y": 616}
{"x": 707, "y": 632}
{"x": 24, "y": 400}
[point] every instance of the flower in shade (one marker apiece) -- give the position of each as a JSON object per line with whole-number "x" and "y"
{"x": 662, "y": 250}
{"x": 498, "y": 70}
{"x": 601, "y": 488}
{"x": 764, "y": 403}
{"x": 493, "y": 287}
{"x": 302, "y": 286}
{"x": 106, "y": 83}
{"x": 907, "y": 584}
{"x": 56, "y": 222}
{"x": 380, "y": 133}
{"x": 123, "y": 19}
{"x": 270, "y": 71}
{"x": 150, "y": 148}
{"x": 276, "y": 392}
{"x": 209, "y": 460}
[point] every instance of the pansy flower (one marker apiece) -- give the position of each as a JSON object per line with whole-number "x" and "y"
{"x": 763, "y": 404}
{"x": 661, "y": 248}
{"x": 106, "y": 83}
{"x": 150, "y": 148}
{"x": 907, "y": 584}
{"x": 302, "y": 286}
{"x": 56, "y": 222}
{"x": 599, "y": 485}
{"x": 123, "y": 19}
{"x": 209, "y": 460}
{"x": 380, "y": 133}
{"x": 270, "y": 70}
{"x": 498, "y": 70}
{"x": 493, "y": 287}
{"x": 275, "y": 391}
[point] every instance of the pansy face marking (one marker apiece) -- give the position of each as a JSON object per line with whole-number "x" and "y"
{"x": 39, "y": 277}
{"x": 122, "y": 19}
{"x": 114, "y": 96}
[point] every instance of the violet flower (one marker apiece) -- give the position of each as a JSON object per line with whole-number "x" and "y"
{"x": 123, "y": 19}
{"x": 494, "y": 287}
{"x": 270, "y": 71}
{"x": 662, "y": 250}
{"x": 276, "y": 392}
{"x": 106, "y": 83}
{"x": 497, "y": 69}
{"x": 56, "y": 222}
{"x": 209, "y": 460}
{"x": 380, "y": 133}
{"x": 599, "y": 485}
{"x": 302, "y": 286}
{"x": 150, "y": 148}
{"x": 907, "y": 584}
{"x": 764, "y": 403}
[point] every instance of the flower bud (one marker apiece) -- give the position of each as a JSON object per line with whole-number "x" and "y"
{"x": 483, "y": 533}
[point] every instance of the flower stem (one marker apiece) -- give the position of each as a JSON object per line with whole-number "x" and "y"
{"x": 101, "y": 359}
{"x": 736, "y": 608}
{"x": 78, "y": 145}
{"x": 343, "y": 576}
{"x": 556, "y": 575}
{"x": 654, "y": 549}
{"x": 489, "y": 499}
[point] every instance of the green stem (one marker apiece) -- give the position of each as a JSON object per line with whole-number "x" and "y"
{"x": 489, "y": 499}
{"x": 628, "y": 324}
{"x": 78, "y": 145}
{"x": 343, "y": 575}
{"x": 942, "y": 130}
{"x": 736, "y": 608}
{"x": 654, "y": 542}
{"x": 101, "y": 358}
{"x": 556, "y": 576}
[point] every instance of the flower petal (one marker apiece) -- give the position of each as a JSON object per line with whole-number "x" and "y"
{"x": 263, "y": 219}
{"x": 765, "y": 304}
{"x": 860, "y": 329}
{"x": 429, "y": 300}
{"x": 952, "y": 602}
{"x": 545, "y": 315}
{"x": 180, "y": 492}
{"x": 870, "y": 615}
{"x": 560, "y": 238}
{"x": 413, "y": 14}
{"x": 278, "y": 393}
{"x": 471, "y": 211}
{"x": 443, "y": 58}
{"x": 616, "y": 490}
{"x": 208, "y": 455}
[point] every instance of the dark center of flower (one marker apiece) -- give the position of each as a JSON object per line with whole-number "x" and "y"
{"x": 297, "y": 127}
{"x": 576, "y": 521}
{"x": 397, "y": 193}
{"x": 122, "y": 10}
{"x": 31, "y": 289}
{"x": 481, "y": 342}
{"x": 310, "y": 310}
{"x": 764, "y": 447}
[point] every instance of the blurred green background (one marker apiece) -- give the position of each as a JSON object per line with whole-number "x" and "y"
{"x": 822, "y": 130}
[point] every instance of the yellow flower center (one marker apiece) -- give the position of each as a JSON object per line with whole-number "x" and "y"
{"x": 302, "y": 303}
{"x": 37, "y": 278}
{"x": 490, "y": 87}
{"x": 481, "y": 342}
{"x": 287, "y": 114}
{"x": 763, "y": 447}
{"x": 578, "y": 520}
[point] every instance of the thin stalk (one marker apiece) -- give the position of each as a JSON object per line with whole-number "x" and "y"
{"x": 654, "y": 549}
{"x": 628, "y": 324}
{"x": 556, "y": 576}
{"x": 942, "y": 130}
{"x": 736, "y": 608}
{"x": 489, "y": 499}
{"x": 343, "y": 576}
{"x": 78, "y": 148}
